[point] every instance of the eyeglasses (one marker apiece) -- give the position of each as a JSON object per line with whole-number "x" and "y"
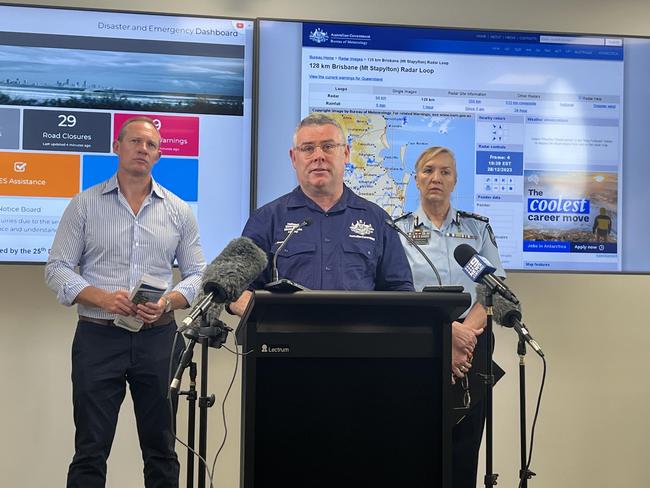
{"x": 326, "y": 147}
{"x": 467, "y": 397}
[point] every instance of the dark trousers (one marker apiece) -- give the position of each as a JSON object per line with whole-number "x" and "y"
{"x": 466, "y": 443}
{"x": 104, "y": 359}
{"x": 467, "y": 434}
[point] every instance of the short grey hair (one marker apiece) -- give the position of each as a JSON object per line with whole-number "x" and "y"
{"x": 318, "y": 119}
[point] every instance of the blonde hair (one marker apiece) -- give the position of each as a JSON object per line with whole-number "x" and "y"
{"x": 431, "y": 153}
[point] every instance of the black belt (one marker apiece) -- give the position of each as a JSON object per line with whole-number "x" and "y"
{"x": 165, "y": 319}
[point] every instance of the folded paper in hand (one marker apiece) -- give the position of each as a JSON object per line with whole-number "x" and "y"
{"x": 148, "y": 289}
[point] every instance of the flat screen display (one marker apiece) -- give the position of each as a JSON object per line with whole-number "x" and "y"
{"x": 549, "y": 129}
{"x": 70, "y": 78}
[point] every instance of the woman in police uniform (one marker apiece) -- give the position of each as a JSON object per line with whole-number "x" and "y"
{"x": 438, "y": 229}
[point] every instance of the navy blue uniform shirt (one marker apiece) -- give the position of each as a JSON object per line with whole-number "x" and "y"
{"x": 349, "y": 247}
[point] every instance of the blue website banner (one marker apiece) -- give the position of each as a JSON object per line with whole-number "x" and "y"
{"x": 178, "y": 175}
{"x": 456, "y": 41}
{"x": 499, "y": 163}
{"x": 547, "y": 246}
{"x": 580, "y": 247}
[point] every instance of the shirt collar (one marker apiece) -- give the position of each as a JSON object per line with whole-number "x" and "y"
{"x": 422, "y": 218}
{"x": 112, "y": 185}
{"x": 297, "y": 198}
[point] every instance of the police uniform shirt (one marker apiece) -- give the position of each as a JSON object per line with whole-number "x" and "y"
{"x": 349, "y": 247}
{"x": 439, "y": 245}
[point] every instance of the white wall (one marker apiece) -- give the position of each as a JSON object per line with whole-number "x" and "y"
{"x": 594, "y": 424}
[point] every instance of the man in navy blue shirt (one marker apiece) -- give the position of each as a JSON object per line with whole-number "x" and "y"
{"x": 346, "y": 245}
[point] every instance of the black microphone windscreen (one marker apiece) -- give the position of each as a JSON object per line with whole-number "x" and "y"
{"x": 463, "y": 253}
{"x": 233, "y": 270}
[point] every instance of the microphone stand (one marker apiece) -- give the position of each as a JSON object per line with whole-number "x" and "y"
{"x": 524, "y": 473}
{"x": 210, "y": 336}
{"x": 490, "y": 478}
{"x": 284, "y": 285}
{"x": 191, "y": 424}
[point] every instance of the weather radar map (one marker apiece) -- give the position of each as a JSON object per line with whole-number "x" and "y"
{"x": 385, "y": 146}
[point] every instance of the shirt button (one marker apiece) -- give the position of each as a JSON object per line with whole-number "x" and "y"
{"x": 328, "y": 268}
{"x": 327, "y": 239}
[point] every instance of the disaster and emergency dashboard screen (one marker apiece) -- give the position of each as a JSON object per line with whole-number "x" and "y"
{"x": 70, "y": 78}
{"x": 548, "y": 130}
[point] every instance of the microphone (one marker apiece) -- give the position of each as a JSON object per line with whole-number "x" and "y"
{"x": 508, "y": 314}
{"x": 439, "y": 287}
{"x": 224, "y": 280}
{"x": 228, "y": 275}
{"x": 285, "y": 284}
{"x": 203, "y": 303}
{"x": 480, "y": 270}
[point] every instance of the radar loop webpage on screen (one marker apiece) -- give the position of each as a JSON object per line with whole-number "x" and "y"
{"x": 539, "y": 154}
{"x": 68, "y": 81}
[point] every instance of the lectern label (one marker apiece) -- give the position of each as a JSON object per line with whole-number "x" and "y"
{"x": 265, "y": 348}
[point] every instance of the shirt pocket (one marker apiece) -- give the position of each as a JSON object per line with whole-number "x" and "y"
{"x": 359, "y": 265}
{"x": 296, "y": 261}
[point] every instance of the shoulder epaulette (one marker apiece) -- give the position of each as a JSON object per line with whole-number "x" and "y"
{"x": 402, "y": 217}
{"x": 471, "y": 215}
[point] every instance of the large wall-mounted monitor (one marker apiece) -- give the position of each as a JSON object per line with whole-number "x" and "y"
{"x": 68, "y": 80}
{"x": 549, "y": 130}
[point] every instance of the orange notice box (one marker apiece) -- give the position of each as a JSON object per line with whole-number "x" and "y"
{"x": 39, "y": 175}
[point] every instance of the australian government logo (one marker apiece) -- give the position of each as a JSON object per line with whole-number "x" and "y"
{"x": 265, "y": 348}
{"x": 318, "y": 36}
{"x": 361, "y": 230}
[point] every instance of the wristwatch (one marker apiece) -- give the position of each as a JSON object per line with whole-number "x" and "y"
{"x": 168, "y": 305}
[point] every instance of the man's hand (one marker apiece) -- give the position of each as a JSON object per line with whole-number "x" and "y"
{"x": 118, "y": 302}
{"x": 150, "y": 312}
{"x": 238, "y": 307}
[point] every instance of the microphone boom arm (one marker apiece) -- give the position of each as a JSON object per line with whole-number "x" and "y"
{"x": 522, "y": 331}
{"x": 396, "y": 228}
{"x": 302, "y": 224}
